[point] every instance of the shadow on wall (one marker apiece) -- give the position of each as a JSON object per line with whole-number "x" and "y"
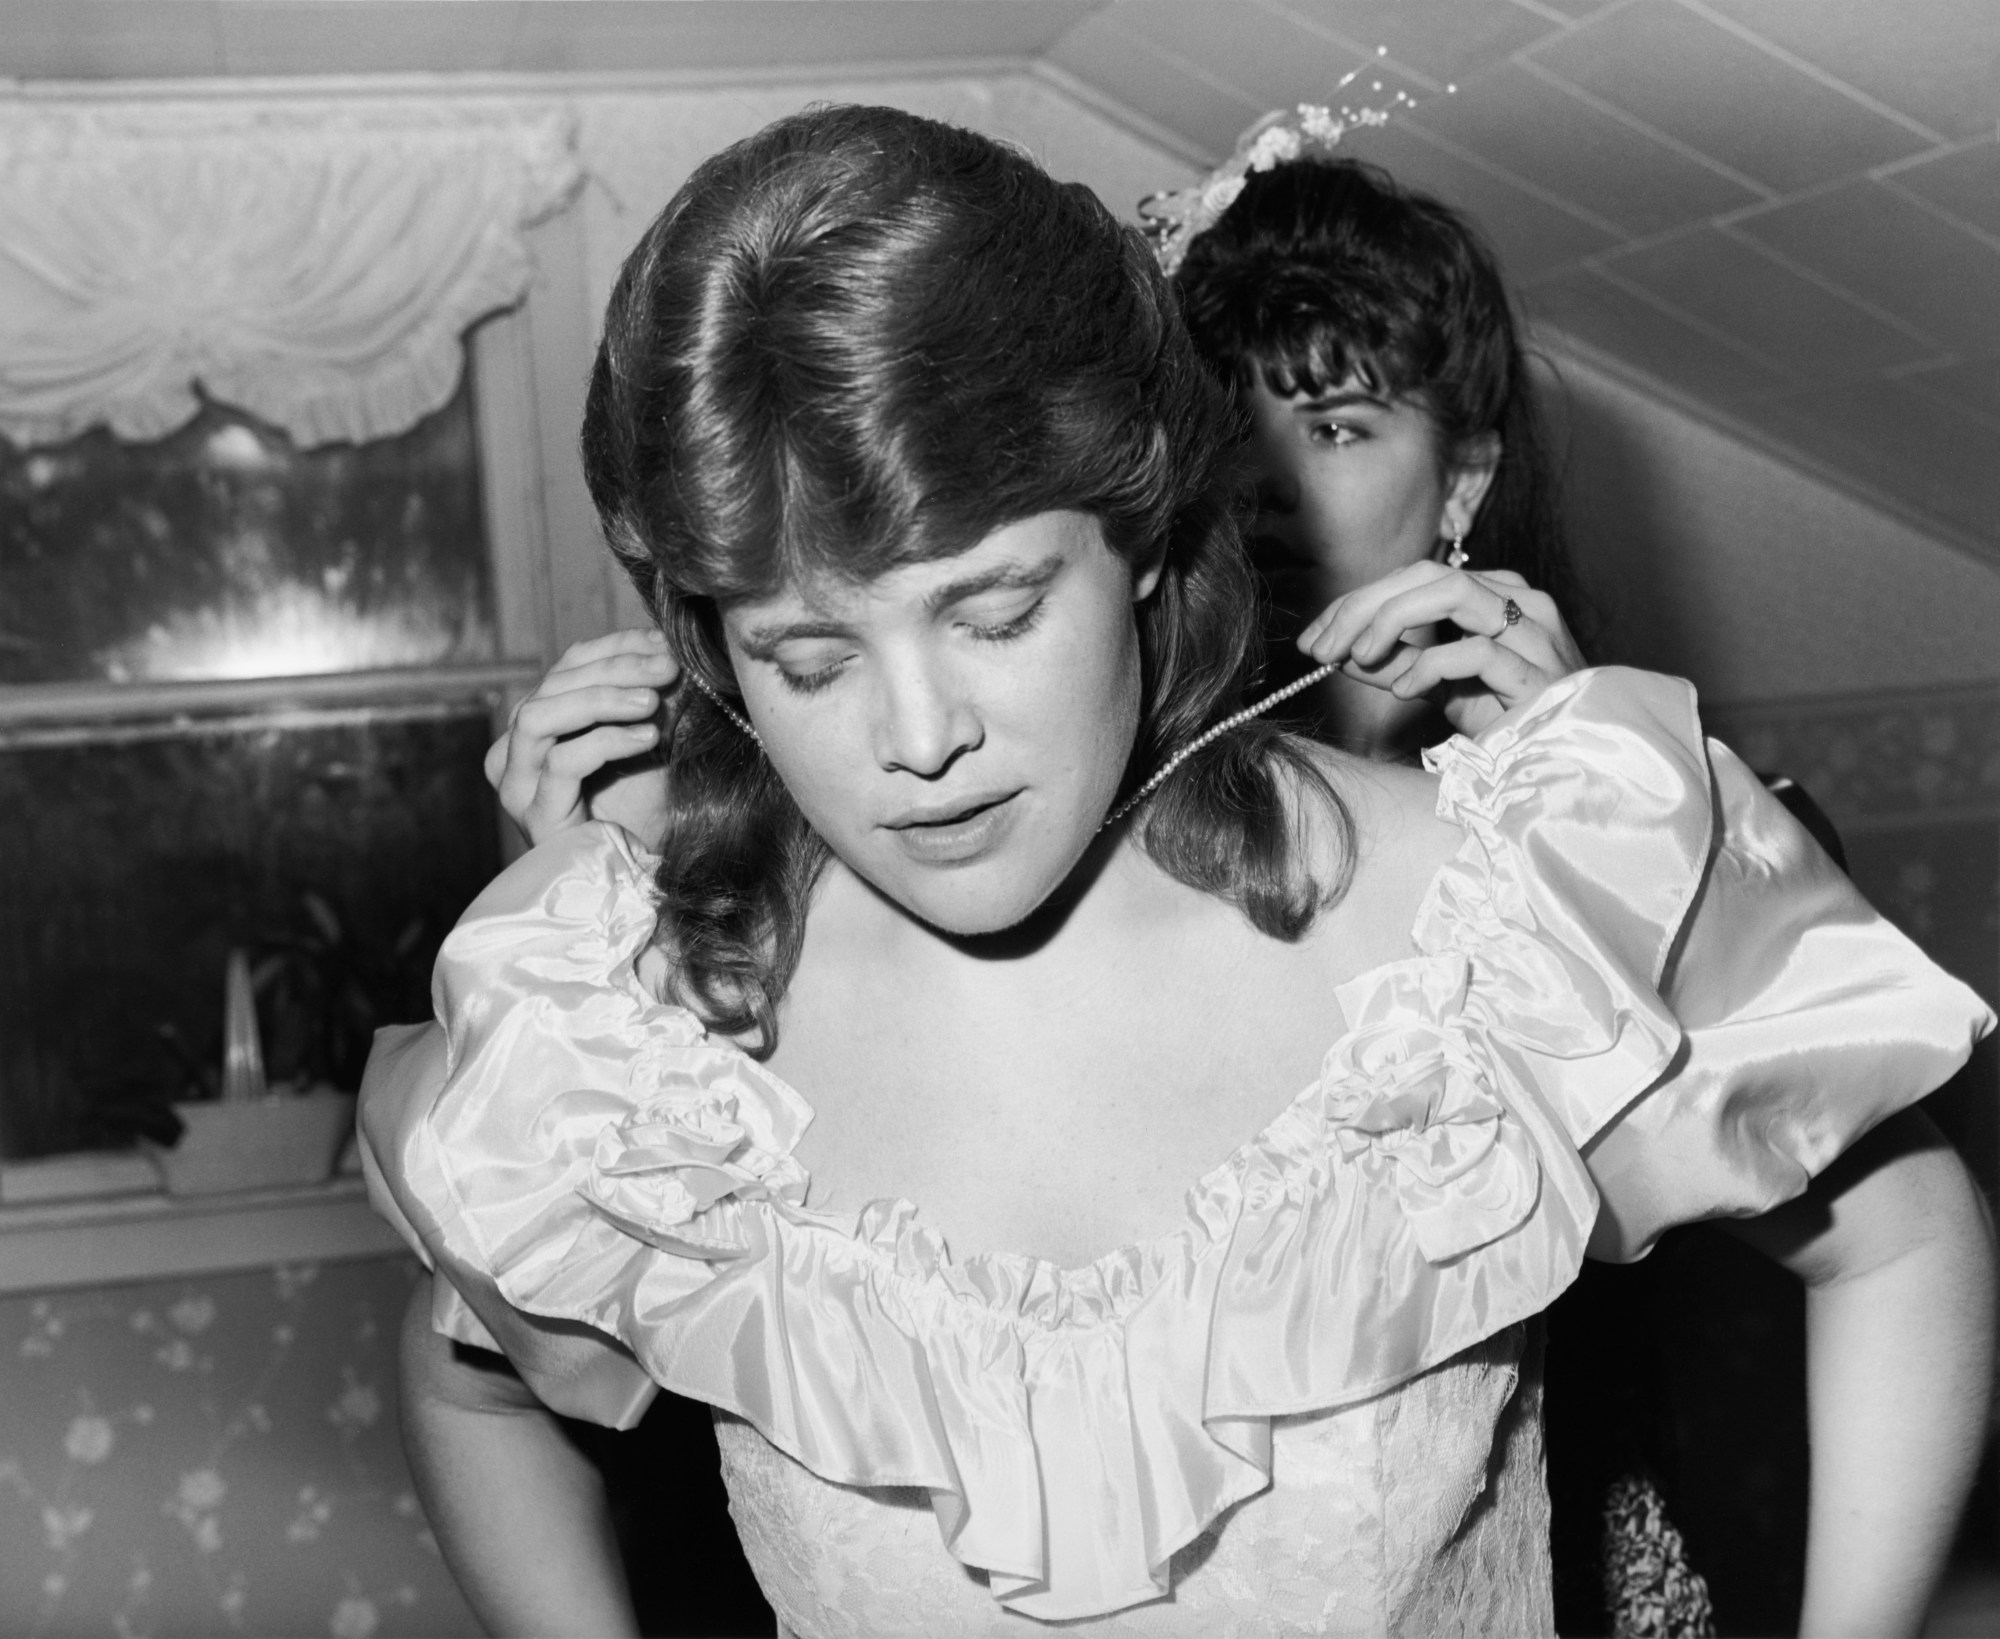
{"x": 1839, "y": 648}
{"x": 1622, "y": 529}
{"x": 215, "y": 1455}
{"x": 1721, "y": 562}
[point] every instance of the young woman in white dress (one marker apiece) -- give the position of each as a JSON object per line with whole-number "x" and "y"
{"x": 1083, "y": 1196}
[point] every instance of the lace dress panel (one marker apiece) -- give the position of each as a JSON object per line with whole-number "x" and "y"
{"x": 1421, "y": 1512}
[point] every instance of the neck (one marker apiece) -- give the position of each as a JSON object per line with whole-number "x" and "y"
{"x": 1114, "y": 890}
{"x": 1370, "y": 722}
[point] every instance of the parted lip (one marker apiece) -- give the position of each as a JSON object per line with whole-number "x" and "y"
{"x": 951, "y": 813}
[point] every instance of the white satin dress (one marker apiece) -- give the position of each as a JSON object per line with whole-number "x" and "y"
{"x": 1310, "y": 1410}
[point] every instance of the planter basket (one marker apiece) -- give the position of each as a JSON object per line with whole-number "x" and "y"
{"x": 256, "y": 1143}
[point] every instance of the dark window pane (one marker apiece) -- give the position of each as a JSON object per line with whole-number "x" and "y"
{"x": 338, "y": 847}
{"x": 222, "y": 551}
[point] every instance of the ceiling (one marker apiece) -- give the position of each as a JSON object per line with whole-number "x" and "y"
{"x": 1783, "y": 215}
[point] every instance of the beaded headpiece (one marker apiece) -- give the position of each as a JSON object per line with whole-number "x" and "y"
{"x": 1173, "y": 221}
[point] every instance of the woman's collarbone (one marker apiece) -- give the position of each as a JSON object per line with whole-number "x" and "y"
{"x": 1062, "y": 1127}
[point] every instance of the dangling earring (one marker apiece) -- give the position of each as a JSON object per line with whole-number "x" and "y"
{"x": 1455, "y": 558}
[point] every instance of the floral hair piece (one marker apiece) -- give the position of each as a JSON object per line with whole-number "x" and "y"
{"x": 1173, "y": 221}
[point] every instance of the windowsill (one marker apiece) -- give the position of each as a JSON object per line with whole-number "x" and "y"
{"x": 153, "y": 1236}
{"x": 28, "y": 705}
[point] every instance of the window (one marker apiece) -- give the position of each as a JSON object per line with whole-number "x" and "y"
{"x": 244, "y": 695}
{"x": 222, "y": 551}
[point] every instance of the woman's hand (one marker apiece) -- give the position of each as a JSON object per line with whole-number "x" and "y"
{"x": 581, "y": 746}
{"x": 1380, "y": 634}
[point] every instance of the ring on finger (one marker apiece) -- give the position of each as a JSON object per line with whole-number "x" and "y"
{"x": 1510, "y": 614}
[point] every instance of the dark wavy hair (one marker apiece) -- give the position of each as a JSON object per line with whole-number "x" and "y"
{"x": 1326, "y": 270}
{"x": 860, "y": 339}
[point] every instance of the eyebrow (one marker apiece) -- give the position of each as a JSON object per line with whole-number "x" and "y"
{"x": 763, "y": 642}
{"x": 1006, "y": 577}
{"x": 1339, "y": 401}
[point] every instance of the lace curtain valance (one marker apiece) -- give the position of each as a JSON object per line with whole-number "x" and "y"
{"x": 315, "y": 265}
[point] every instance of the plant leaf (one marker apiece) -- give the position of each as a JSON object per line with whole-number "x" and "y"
{"x": 323, "y": 917}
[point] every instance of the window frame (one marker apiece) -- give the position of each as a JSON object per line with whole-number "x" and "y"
{"x": 528, "y": 370}
{"x": 553, "y": 585}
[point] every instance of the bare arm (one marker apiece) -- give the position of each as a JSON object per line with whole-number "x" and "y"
{"x": 1896, "y": 1250}
{"x": 519, "y": 1512}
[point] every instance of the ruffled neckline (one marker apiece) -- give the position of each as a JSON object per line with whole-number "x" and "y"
{"x": 1076, "y": 1426}
{"x": 890, "y": 1231}
{"x": 1456, "y": 913}
{"x": 1467, "y": 903}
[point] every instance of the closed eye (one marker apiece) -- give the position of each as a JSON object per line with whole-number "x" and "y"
{"x": 1005, "y": 631}
{"x": 982, "y": 631}
{"x": 811, "y": 682}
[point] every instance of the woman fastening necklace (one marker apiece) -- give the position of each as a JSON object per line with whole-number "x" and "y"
{"x": 1129, "y": 1227}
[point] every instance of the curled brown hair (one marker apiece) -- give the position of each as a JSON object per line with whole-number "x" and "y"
{"x": 860, "y": 339}
{"x": 1326, "y": 269}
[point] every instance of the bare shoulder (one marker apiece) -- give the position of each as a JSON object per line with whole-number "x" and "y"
{"x": 1396, "y": 846}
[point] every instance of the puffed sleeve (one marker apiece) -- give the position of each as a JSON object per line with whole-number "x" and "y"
{"x": 1603, "y": 826}
{"x": 575, "y": 1370}
{"x": 1809, "y": 1019}
{"x": 562, "y": 1143}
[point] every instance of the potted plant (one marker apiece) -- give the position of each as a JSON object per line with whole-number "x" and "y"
{"x": 249, "y": 1136}
{"x": 315, "y": 995}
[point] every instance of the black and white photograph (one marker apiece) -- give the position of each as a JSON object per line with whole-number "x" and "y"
{"x": 897, "y": 819}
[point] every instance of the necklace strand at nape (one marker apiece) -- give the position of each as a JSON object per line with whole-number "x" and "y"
{"x": 1209, "y": 737}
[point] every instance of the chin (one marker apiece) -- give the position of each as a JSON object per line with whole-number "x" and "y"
{"x": 968, "y": 908}
{"x": 975, "y": 882}
{"x": 985, "y": 895}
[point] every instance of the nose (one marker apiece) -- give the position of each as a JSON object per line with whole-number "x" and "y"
{"x": 925, "y": 719}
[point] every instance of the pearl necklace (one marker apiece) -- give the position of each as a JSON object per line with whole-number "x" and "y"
{"x": 1210, "y": 737}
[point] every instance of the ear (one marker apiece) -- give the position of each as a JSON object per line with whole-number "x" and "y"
{"x": 1147, "y": 572}
{"x": 1471, "y": 476}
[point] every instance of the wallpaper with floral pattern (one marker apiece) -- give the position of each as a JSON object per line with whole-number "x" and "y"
{"x": 214, "y": 1456}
